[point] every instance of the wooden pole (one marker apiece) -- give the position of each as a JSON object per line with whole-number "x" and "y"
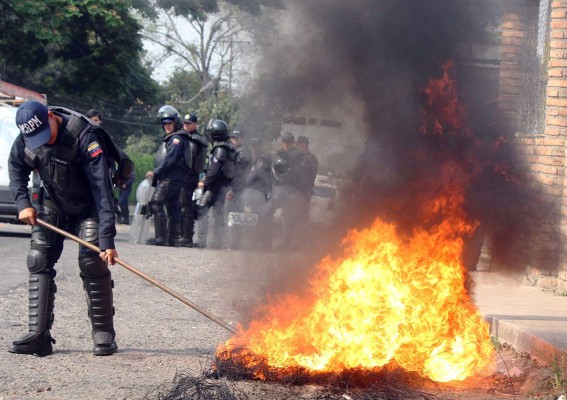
{"x": 130, "y": 268}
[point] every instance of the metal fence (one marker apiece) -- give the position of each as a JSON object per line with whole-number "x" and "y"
{"x": 535, "y": 56}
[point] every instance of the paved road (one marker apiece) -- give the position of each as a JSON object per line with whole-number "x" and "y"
{"x": 14, "y": 245}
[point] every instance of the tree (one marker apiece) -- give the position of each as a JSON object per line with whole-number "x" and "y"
{"x": 182, "y": 90}
{"x": 222, "y": 106}
{"x": 200, "y": 45}
{"x": 81, "y": 53}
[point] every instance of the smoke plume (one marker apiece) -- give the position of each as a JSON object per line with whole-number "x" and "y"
{"x": 367, "y": 63}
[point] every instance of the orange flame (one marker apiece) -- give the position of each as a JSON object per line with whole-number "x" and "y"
{"x": 388, "y": 300}
{"x": 442, "y": 114}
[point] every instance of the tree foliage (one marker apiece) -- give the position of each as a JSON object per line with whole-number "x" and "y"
{"x": 81, "y": 53}
{"x": 182, "y": 90}
{"x": 222, "y": 107}
{"x": 200, "y": 8}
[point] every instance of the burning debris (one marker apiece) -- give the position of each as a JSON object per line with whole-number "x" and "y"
{"x": 392, "y": 384}
{"x": 390, "y": 300}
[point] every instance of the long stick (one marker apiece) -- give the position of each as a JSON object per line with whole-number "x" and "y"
{"x": 140, "y": 274}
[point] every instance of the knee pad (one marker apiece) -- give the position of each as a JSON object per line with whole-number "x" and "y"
{"x": 157, "y": 208}
{"x": 92, "y": 266}
{"x": 160, "y": 194}
{"x": 37, "y": 261}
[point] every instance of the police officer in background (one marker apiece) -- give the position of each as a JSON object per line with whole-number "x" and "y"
{"x": 171, "y": 175}
{"x": 219, "y": 174}
{"x": 286, "y": 193}
{"x": 235, "y": 201}
{"x": 257, "y": 190}
{"x": 69, "y": 152}
{"x": 197, "y": 146}
{"x": 308, "y": 168}
{"x": 307, "y": 172}
{"x": 95, "y": 116}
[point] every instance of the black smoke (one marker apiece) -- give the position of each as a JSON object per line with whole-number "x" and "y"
{"x": 379, "y": 55}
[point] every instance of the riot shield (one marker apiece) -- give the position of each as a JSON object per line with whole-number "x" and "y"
{"x": 139, "y": 229}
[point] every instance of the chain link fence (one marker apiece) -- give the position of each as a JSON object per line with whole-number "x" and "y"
{"x": 535, "y": 59}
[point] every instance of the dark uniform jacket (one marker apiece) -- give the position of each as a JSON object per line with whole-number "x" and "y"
{"x": 172, "y": 166}
{"x": 243, "y": 162}
{"x": 80, "y": 187}
{"x": 307, "y": 173}
{"x": 293, "y": 158}
{"x": 259, "y": 175}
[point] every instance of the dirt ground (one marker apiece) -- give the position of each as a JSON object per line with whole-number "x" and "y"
{"x": 159, "y": 337}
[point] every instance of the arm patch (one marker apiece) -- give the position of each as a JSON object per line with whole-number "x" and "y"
{"x": 94, "y": 149}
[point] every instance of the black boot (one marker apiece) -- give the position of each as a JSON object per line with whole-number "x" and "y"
{"x": 38, "y": 340}
{"x": 157, "y": 241}
{"x": 160, "y": 224}
{"x": 101, "y": 313}
{"x": 187, "y": 228}
{"x": 179, "y": 237}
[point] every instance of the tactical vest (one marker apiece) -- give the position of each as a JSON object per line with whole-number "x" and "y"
{"x": 225, "y": 152}
{"x": 61, "y": 172}
{"x": 198, "y": 152}
{"x": 194, "y": 153}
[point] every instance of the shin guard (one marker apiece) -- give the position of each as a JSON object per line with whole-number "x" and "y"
{"x": 38, "y": 340}
{"x": 101, "y": 314}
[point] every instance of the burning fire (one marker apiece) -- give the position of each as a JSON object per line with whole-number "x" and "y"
{"x": 388, "y": 300}
{"x": 442, "y": 113}
{"x": 391, "y": 298}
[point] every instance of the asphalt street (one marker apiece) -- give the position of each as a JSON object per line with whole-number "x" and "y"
{"x": 14, "y": 246}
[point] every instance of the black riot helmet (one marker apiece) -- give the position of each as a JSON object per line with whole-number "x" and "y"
{"x": 169, "y": 113}
{"x": 281, "y": 170}
{"x": 280, "y": 165}
{"x": 217, "y": 130}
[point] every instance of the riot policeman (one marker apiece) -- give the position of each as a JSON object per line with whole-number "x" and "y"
{"x": 285, "y": 190}
{"x": 71, "y": 155}
{"x": 220, "y": 171}
{"x": 309, "y": 166}
{"x": 197, "y": 146}
{"x": 234, "y": 197}
{"x": 172, "y": 176}
{"x": 257, "y": 184}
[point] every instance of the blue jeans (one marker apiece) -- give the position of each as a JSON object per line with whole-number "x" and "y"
{"x": 123, "y": 203}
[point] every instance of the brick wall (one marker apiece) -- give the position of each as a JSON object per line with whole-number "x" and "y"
{"x": 556, "y": 118}
{"x": 541, "y": 248}
{"x": 511, "y": 59}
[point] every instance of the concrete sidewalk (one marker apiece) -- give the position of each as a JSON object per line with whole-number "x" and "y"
{"x": 526, "y": 317}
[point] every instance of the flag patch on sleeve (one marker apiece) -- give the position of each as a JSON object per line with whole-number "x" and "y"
{"x": 175, "y": 141}
{"x": 94, "y": 149}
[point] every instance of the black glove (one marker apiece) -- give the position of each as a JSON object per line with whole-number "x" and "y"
{"x": 146, "y": 211}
